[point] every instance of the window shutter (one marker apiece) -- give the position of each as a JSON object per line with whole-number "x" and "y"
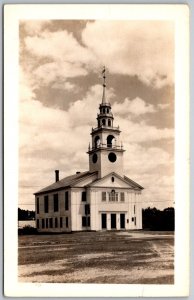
{"x": 122, "y": 196}
{"x": 103, "y": 196}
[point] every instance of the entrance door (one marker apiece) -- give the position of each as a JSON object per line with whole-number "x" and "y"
{"x": 122, "y": 221}
{"x": 113, "y": 221}
{"x": 103, "y": 219}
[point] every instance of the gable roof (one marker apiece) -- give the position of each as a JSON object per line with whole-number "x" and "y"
{"x": 133, "y": 182}
{"x": 125, "y": 179}
{"x": 66, "y": 182}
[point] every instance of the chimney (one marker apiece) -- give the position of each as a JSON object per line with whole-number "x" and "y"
{"x": 56, "y": 175}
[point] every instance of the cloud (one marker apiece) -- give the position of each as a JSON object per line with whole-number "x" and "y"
{"x": 142, "y": 48}
{"x": 136, "y": 106}
{"x": 57, "y": 71}
{"x": 33, "y": 27}
{"x": 65, "y": 86}
{"x": 136, "y": 48}
{"x": 138, "y": 132}
{"x": 59, "y": 46}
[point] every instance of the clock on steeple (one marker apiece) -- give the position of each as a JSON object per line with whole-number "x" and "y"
{"x": 106, "y": 152}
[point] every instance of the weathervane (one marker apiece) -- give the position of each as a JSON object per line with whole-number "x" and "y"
{"x": 104, "y": 84}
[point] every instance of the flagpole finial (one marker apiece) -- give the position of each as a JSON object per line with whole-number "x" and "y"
{"x": 104, "y": 84}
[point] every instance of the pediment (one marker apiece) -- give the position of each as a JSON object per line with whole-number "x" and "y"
{"x": 112, "y": 180}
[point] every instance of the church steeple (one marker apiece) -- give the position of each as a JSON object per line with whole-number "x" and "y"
{"x": 106, "y": 151}
{"x": 105, "y": 117}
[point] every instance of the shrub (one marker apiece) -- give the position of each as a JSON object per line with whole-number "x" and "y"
{"x": 27, "y": 230}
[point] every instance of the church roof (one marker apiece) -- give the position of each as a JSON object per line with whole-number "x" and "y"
{"x": 65, "y": 182}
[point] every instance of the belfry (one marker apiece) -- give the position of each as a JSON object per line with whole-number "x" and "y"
{"x": 102, "y": 198}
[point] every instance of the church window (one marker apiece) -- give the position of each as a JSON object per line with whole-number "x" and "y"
{"x": 135, "y": 221}
{"x": 104, "y": 122}
{"x": 110, "y": 140}
{"x": 51, "y": 223}
{"x": 46, "y": 204}
{"x": 109, "y": 122}
{"x": 134, "y": 209}
{"x": 122, "y": 196}
{"x": 37, "y": 205}
{"x": 46, "y": 222}
{"x": 83, "y": 196}
{"x": 56, "y": 222}
{"x": 88, "y": 220}
{"x": 107, "y": 110}
{"x": 84, "y": 221}
{"x": 94, "y": 158}
{"x": 104, "y": 111}
{"x": 113, "y": 179}
{"x": 67, "y": 222}
{"x": 56, "y": 202}
{"x": 61, "y": 222}
{"x": 103, "y": 196}
{"x": 87, "y": 209}
{"x": 113, "y": 196}
{"x": 43, "y": 223}
{"x": 37, "y": 223}
{"x": 66, "y": 200}
{"x": 112, "y": 157}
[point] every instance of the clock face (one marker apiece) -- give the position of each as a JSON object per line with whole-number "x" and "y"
{"x": 94, "y": 158}
{"x": 112, "y": 157}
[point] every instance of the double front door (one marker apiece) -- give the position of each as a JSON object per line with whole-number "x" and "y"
{"x": 113, "y": 221}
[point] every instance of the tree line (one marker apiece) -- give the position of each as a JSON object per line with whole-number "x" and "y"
{"x": 155, "y": 219}
{"x": 24, "y": 215}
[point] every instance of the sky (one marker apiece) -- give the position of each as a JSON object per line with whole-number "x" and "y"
{"x": 61, "y": 88}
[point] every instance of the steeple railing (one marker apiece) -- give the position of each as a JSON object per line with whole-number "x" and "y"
{"x": 105, "y": 127}
{"x": 105, "y": 146}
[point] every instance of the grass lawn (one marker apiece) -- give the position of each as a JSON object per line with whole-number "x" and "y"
{"x": 98, "y": 257}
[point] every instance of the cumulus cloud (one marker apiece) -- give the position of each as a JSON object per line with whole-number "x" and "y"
{"x": 135, "y": 106}
{"x": 60, "y": 46}
{"x": 142, "y": 48}
{"x": 57, "y": 71}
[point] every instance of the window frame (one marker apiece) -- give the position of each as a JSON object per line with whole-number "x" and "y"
{"x": 37, "y": 206}
{"x": 113, "y": 196}
{"x": 84, "y": 196}
{"x": 67, "y": 222}
{"x": 43, "y": 224}
{"x": 55, "y": 202}
{"x": 67, "y": 200}
{"x": 46, "y": 204}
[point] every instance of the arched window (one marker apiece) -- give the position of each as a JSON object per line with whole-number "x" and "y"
{"x": 107, "y": 110}
{"x": 104, "y": 111}
{"x": 110, "y": 140}
{"x": 97, "y": 141}
{"x": 113, "y": 196}
{"x": 109, "y": 122}
{"x": 104, "y": 122}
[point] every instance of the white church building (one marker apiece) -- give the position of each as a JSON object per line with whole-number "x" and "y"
{"x": 102, "y": 198}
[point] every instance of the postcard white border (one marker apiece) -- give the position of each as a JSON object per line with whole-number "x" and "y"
{"x": 180, "y": 15}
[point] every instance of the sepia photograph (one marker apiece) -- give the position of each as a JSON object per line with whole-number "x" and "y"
{"x": 97, "y": 137}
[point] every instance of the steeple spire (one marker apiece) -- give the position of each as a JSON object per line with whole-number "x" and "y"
{"x": 104, "y": 85}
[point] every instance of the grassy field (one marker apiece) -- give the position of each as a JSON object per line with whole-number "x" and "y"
{"x": 135, "y": 257}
